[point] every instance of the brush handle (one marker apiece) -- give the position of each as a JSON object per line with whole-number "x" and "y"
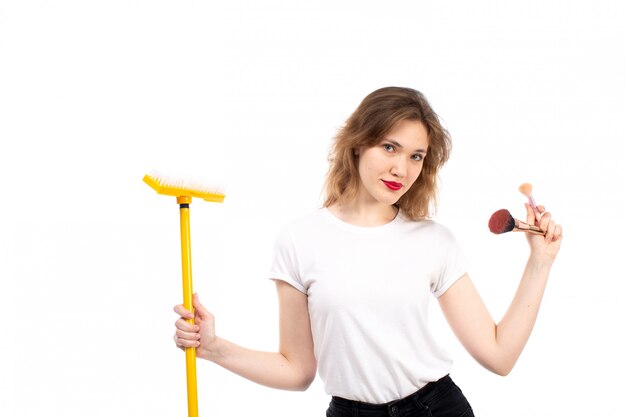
{"x": 190, "y": 353}
{"x": 533, "y": 205}
{"x": 520, "y": 226}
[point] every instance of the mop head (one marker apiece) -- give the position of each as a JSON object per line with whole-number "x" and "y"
{"x": 184, "y": 188}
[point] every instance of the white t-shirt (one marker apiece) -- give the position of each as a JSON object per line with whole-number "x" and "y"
{"x": 368, "y": 291}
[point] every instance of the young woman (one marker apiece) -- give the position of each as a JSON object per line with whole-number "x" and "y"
{"x": 354, "y": 279}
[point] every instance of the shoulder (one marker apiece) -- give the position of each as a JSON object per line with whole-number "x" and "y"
{"x": 299, "y": 226}
{"x": 428, "y": 227}
{"x": 308, "y": 221}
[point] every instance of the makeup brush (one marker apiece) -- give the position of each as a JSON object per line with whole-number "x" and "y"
{"x": 527, "y": 190}
{"x": 501, "y": 222}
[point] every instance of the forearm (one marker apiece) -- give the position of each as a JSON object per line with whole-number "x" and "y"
{"x": 498, "y": 346}
{"x": 271, "y": 369}
{"x": 514, "y": 330}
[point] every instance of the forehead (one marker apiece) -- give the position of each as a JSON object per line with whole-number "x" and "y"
{"x": 409, "y": 133}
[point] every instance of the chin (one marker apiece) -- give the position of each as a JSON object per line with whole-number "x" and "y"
{"x": 389, "y": 201}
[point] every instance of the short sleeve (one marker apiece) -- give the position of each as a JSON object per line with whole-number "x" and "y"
{"x": 285, "y": 263}
{"x": 454, "y": 264}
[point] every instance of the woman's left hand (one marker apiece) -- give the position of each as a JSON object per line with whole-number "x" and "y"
{"x": 545, "y": 246}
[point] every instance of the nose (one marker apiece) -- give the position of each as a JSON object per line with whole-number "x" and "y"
{"x": 399, "y": 168}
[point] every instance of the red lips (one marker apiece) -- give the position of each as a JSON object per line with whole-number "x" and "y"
{"x": 395, "y": 186}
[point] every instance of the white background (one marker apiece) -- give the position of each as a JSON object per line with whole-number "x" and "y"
{"x": 94, "y": 94}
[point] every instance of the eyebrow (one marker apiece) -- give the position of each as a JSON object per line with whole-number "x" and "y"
{"x": 393, "y": 142}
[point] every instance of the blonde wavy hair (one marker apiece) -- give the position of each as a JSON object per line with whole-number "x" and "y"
{"x": 376, "y": 116}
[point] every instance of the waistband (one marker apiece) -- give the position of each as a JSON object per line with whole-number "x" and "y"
{"x": 422, "y": 395}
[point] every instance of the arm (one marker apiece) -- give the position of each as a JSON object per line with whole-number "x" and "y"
{"x": 498, "y": 346}
{"x": 293, "y": 367}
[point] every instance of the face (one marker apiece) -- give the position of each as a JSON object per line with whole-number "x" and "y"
{"x": 388, "y": 169}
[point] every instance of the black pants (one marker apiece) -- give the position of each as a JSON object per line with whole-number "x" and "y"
{"x": 437, "y": 399}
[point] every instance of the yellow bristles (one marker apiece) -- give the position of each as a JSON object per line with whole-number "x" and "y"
{"x": 183, "y": 188}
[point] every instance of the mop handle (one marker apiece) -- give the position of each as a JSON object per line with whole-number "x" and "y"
{"x": 184, "y": 190}
{"x": 190, "y": 353}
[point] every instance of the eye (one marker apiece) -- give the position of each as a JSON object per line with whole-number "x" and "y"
{"x": 388, "y": 147}
{"x": 417, "y": 157}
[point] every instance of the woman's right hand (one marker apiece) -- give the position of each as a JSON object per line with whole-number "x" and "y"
{"x": 200, "y": 334}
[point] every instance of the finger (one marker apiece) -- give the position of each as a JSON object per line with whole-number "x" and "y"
{"x": 550, "y": 229}
{"x": 185, "y": 326}
{"x": 177, "y": 345}
{"x": 541, "y": 208}
{"x": 203, "y": 312}
{"x": 545, "y": 221}
{"x": 176, "y": 342}
{"x": 185, "y": 343}
{"x": 535, "y": 209}
{"x": 183, "y": 312}
{"x": 558, "y": 232}
{"x": 188, "y": 336}
{"x": 183, "y": 348}
{"x": 530, "y": 214}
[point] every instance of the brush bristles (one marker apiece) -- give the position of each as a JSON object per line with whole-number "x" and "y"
{"x": 184, "y": 187}
{"x": 501, "y": 222}
{"x": 186, "y": 184}
{"x": 526, "y": 189}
